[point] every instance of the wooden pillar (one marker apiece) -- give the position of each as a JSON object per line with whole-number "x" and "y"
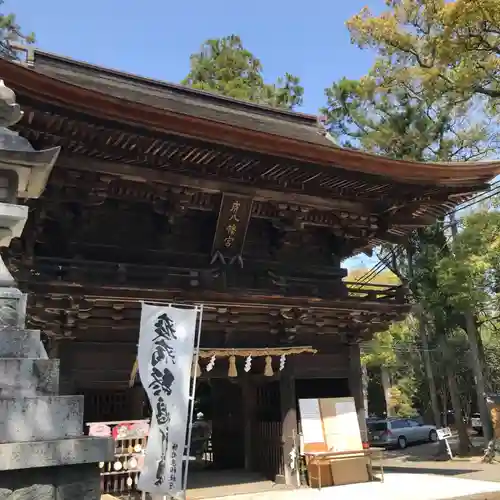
{"x": 356, "y": 387}
{"x": 289, "y": 437}
{"x": 248, "y": 392}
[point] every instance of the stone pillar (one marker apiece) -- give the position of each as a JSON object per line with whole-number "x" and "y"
{"x": 43, "y": 453}
{"x": 356, "y": 387}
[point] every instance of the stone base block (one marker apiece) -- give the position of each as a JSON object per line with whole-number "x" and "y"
{"x": 36, "y": 454}
{"x": 28, "y": 377}
{"x": 73, "y": 482}
{"x": 40, "y": 418}
{"x": 21, "y": 343}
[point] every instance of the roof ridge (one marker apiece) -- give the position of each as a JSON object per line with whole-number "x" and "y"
{"x": 294, "y": 116}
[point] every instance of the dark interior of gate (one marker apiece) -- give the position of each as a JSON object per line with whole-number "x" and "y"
{"x": 245, "y": 414}
{"x": 166, "y": 194}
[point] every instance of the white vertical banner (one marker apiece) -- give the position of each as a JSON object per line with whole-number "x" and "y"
{"x": 165, "y": 357}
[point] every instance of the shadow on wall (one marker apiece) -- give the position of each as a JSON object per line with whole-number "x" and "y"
{"x": 322, "y": 388}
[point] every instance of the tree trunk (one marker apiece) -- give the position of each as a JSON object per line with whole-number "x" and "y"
{"x": 386, "y": 386}
{"x": 444, "y": 405}
{"x": 431, "y": 383}
{"x": 477, "y": 370}
{"x": 476, "y": 359}
{"x": 482, "y": 360}
{"x": 464, "y": 443}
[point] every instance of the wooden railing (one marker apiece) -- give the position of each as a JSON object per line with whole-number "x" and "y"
{"x": 376, "y": 292}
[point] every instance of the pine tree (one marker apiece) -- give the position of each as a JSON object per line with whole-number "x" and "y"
{"x": 226, "y": 67}
{"x": 10, "y": 32}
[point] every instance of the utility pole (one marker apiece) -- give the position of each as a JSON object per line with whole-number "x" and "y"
{"x": 422, "y": 331}
{"x": 431, "y": 383}
{"x": 475, "y": 357}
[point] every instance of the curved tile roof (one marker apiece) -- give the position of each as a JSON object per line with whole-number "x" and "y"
{"x": 174, "y": 109}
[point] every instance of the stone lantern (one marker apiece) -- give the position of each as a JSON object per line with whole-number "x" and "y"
{"x": 43, "y": 452}
{"x": 24, "y": 173}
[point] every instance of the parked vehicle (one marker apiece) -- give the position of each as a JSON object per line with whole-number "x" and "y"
{"x": 476, "y": 424}
{"x": 400, "y": 432}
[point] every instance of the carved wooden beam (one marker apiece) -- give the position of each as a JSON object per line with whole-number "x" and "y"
{"x": 218, "y": 299}
{"x": 145, "y": 174}
{"x": 172, "y": 201}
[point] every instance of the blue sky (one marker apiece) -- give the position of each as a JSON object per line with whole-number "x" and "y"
{"x": 155, "y": 38}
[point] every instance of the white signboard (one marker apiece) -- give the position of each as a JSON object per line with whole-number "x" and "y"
{"x": 165, "y": 357}
{"x": 443, "y": 433}
{"x": 347, "y": 436}
{"x": 310, "y": 419}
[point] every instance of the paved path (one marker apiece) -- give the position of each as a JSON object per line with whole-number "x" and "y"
{"x": 411, "y": 474}
{"x": 421, "y": 459}
{"x": 468, "y": 469}
{"x": 395, "y": 487}
{"x": 416, "y": 487}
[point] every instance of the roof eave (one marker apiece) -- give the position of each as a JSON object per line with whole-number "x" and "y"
{"x": 100, "y": 105}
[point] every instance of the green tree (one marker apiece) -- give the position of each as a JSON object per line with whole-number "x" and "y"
{"x": 388, "y": 351}
{"x": 406, "y": 123}
{"x": 226, "y": 67}
{"x": 10, "y": 32}
{"x": 491, "y": 341}
{"x": 471, "y": 271}
{"x": 449, "y": 47}
{"x": 392, "y": 353}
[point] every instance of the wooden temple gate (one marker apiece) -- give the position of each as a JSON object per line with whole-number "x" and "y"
{"x": 168, "y": 194}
